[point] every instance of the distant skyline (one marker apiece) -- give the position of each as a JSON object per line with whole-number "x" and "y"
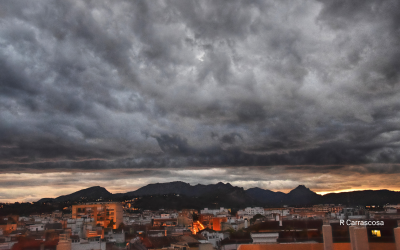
{"x": 269, "y": 94}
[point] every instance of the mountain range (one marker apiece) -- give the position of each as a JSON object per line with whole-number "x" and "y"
{"x": 177, "y": 195}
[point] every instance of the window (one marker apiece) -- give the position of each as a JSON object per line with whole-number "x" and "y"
{"x": 376, "y": 233}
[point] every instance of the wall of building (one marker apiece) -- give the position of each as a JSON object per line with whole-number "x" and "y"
{"x": 184, "y": 221}
{"x": 214, "y": 211}
{"x": 206, "y": 246}
{"x": 64, "y": 245}
{"x": 381, "y": 246}
{"x": 36, "y": 227}
{"x": 102, "y": 212}
{"x": 8, "y": 227}
{"x": 341, "y": 246}
{"x": 217, "y": 223}
{"x": 119, "y": 237}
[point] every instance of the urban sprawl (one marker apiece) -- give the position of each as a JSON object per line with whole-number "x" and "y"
{"x": 119, "y": 225}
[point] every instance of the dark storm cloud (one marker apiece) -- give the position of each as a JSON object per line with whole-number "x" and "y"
{"x": 350, "y": 15}
{"x": 227, "y": 138}
{"x": 312, "y": 86}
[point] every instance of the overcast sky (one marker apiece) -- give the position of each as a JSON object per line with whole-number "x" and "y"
{"x": 271, "y": 93}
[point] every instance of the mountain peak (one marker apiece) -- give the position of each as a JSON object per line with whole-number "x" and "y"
{"x": 94, "y": 187}
{"x": 301, "y": 187}
{"x": 223, "y": 184}
{"x": 176, "y": 182}
{"x": 87, "y": 194}
{"x": 302, "y": 190}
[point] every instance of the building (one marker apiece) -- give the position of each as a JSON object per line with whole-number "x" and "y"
{"x": 215, "y": 212}
{"x": 213, "y": 237}
{"x": 36, "y": 227}
{"x": 8, "y": 225}
{"x": 217, "y": 221}
{"x": 251, "y": 211}
{"x": 76, "y": 243}
{"x": 164, "y": 222}
{"x": 281, "y": 211}
{"x": 237, "y": 225}
{"x": 106, "y": 214}
{"x": 359, "y": 238}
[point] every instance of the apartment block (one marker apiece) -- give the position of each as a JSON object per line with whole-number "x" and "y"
{"x": 102, "y": 212}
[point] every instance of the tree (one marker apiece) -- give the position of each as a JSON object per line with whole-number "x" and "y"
{"x": 111, "y": 224}
{"x": 255, "y": 217}
{"x": 231, "y": 231}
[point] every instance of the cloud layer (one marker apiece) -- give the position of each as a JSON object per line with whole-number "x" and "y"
{"x": 305, "y": 87}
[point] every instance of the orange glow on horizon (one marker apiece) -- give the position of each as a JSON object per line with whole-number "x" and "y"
{"x": 351, "y": 190}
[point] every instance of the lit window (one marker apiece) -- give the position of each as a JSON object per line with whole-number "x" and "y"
{"x": 376, "y": 233}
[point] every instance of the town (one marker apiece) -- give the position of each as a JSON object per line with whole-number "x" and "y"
{"x": 120, "y": 225}
{"x": 199, "y": 125}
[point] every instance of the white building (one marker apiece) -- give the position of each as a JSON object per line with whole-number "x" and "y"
{"x": 213, "y": 237}
{"x": 282, "y": 212}
{"x": 79, "y": 226}
{"x": 214, "y": 211}
{"x": 249, "y": 212}
{"x": 36, "y": 227}
{"x": 65, "y": 243}
{"x": 23, "y": 218}
{"x": 115, "y": 235}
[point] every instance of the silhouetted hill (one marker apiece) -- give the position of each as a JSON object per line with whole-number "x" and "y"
{"x": 298, "y": 196}
{"x": 302, "y": 196}
{"x": 43, "y": 200}
{"x": 235, "y": 197}
{"x": 183, "y": 195}
{"x": 266, "y": 197}
{"x": 366, "y": 197}
{"x": 178, "y": 187}
{"x": 88, "y": 194}
{"x": 225, "y": 195}
{"x": 198, "y": 196}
